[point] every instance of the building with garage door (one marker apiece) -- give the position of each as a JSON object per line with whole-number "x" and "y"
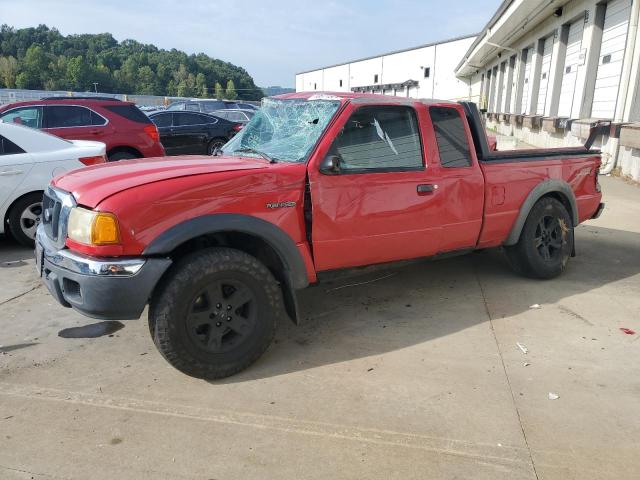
{"x": 427, "y": 71}
{"x": 547, "y": 71}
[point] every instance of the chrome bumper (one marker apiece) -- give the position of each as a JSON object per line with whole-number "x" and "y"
{"x": 105, "y": 288}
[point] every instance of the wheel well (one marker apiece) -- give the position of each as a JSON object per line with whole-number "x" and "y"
{"x": 5, "y": 220}
{"x": 125, "y": 149}
{"x": 561, "y": 197}
{"x": 254, "y": 246}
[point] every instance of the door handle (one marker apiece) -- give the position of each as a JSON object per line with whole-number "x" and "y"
{"x": 426, "y": 189}
{"x": 8, "y": 173}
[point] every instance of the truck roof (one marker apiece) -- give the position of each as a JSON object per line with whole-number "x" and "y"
{"x": 363, "y": 97}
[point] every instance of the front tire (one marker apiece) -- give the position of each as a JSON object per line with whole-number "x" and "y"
{"x": 215, "y": 313}
{"x": 24, "y": 218}
{"x": 545, "y": 243}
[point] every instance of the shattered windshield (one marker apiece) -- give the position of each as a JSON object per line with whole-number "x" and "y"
{"x": 284, "y": 130}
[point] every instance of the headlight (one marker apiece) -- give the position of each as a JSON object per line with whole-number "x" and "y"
{"x": 93, "y": 228}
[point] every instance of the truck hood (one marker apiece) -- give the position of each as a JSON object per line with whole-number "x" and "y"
{"x": 91, "y": 185}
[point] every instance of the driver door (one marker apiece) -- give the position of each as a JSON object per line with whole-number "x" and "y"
{"x": 382, "y": 203}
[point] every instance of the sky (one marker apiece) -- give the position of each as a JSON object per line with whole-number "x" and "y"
{"x": 271, "y": 40}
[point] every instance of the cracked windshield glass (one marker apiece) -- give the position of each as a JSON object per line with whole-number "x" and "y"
{"x": 283, "y": 130}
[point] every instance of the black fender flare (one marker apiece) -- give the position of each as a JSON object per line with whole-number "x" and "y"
{"x": 544, "y": 188}
{"x": 276, "y": 238}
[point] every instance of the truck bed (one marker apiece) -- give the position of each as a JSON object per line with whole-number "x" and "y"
{"x": 512, "y": 177}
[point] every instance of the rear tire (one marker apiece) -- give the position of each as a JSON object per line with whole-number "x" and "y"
{"x": 215, "y": 312}
{"x": 545, "y": 243}
{"x": 24, "y": 218}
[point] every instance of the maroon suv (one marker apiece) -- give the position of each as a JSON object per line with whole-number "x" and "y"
{"x": 126, "y": 131}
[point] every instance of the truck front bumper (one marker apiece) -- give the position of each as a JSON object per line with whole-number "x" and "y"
{"x": 104, "y": 288}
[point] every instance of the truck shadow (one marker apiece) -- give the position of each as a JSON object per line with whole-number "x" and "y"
{"x": 12, "y": 251}
{"x": 428, "y": 300}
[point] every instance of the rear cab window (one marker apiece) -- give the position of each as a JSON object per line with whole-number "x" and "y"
{"x": 380, "y": 139}
{"x": 451, "y": 137}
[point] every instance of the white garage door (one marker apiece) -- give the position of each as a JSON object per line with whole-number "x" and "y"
{"x": 572, "y": 59}
{"x": 545, "y": 70}
{"x": 614, "y": 39}
{"x": 492, "y": 93}
{"x": 526, "y": 86}
{"x": 500, "y": 96}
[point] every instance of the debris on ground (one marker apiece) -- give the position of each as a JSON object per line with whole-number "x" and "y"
{"x": 535, "y": 306}
{"x": 526, "y": 364}
{"x": 522, "y": 348}
{"x": 628, "y": 331}
{"x": 553, "y": 396}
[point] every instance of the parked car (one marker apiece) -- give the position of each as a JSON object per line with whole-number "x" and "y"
{"x": 247, "y": 106}
{"x": 121, "y": 126}
{"x": 28, "y": 160}
{"x": 237, "y": 116}
{"x": 202, "y": 106}
{"x": 190, "y": 133}
{"x": 313, "y": 184}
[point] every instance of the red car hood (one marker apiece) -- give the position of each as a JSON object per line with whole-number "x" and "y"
{"x": 91, "y": 185}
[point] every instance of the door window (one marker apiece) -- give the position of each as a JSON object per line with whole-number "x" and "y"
{"x": 183, "y": 119}
{"x": 380, "y": 139}
{"x": 212, "y": 106}
{"x": 221, "y": 114}
{"x": 163, "y": 120}
{"x": 65, "y": 116}
{"x": 193, "y": 107}
{"x": 7, "y": 147}
{"x": 28, "y": 116}
{"x": 236, "y": 117}
{"x": 453, "y": 144}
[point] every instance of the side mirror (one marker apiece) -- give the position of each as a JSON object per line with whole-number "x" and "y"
{"x": 330, "y": 165}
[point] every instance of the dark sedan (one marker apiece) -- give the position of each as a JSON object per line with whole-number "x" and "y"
{"x": 191, "y": 133}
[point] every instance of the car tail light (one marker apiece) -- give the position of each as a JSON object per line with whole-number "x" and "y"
{"x": 152, "y": 131}
{"x": 93, "y": 160}
{"x": 238, "y": 127}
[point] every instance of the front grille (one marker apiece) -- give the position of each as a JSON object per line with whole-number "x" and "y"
{"x": 56, "y": 206}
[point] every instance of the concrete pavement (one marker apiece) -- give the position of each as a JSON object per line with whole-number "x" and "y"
{"x": 415, "y": 375}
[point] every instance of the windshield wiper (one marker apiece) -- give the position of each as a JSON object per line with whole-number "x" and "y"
{"x": 257, "y": 152}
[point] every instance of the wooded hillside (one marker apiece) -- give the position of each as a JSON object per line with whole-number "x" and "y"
{"x": 43, "y": 58}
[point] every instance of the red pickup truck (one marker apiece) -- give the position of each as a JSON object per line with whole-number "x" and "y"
{"x": 219, "y": 246}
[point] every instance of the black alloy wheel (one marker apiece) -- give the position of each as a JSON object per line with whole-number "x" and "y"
{"x": 222, "y": 316}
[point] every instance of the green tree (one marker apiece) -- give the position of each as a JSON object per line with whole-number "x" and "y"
{"x": 44, "y": 58}
{"x": 33, "y": 68}
{"x": 201, "y": 86}
{"x": 78, "y": 74}
{"x": 145, "y": 81}
{"x": 219, "y": 91}
{"x": 230, "y": 92}
{"x": 8, "y": 71}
